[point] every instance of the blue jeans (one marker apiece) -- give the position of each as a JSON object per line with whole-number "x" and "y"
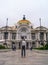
{"x": 23, "y": 51}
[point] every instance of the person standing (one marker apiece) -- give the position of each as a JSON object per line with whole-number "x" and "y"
{"x": 23, "y": 48}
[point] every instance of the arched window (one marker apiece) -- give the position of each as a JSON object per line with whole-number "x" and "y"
{"x": 13, "y": 35}
{"x": 16, "y": 26}
{"x": 23, "y": 30}
{"x": 31, "y": 27}
{"x": 5, "y": 35}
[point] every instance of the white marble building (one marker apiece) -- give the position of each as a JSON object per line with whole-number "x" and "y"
{"x": 35, "y": 37}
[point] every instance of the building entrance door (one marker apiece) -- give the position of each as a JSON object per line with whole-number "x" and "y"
{"x": 19, "y": 45}
{"x": 27, "y": 45}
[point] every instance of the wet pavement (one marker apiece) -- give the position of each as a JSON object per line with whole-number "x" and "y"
{"x": 32, "y": 58}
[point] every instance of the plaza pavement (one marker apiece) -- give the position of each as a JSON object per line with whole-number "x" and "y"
{"x": 34, "y": 57}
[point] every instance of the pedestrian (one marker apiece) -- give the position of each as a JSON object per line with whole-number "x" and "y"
{"x": 31, "y": 48}
{"x": 13, "y": 47}
{"x": 23, "y": 48}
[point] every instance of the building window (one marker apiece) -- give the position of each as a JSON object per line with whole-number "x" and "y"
{"x": 24, "y": 37}
{"x": 31, "y": 27}
{"x": 47, "y": 36}
{"x": 23, "y": 30}
{"x": 16, "y": 26}
{"x": 33, "y": 36}
{"x": 5, "y": 35}
{"x": 33, "y": 44}
{"x": 41, "y": 36}
{"x": 13, "y": 35}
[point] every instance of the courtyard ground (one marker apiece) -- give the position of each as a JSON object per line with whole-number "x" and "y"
{"x": 34, "y": 57}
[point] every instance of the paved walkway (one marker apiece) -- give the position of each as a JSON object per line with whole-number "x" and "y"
{"x": 14, "y": 58}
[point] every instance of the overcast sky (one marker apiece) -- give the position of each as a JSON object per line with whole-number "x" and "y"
{"x": 15, "y": 9}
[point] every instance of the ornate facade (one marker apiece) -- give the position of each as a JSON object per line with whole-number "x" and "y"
{"x": 34, "y": 37}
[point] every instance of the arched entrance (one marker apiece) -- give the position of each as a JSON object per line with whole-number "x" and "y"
{"x": 23, "y": 31}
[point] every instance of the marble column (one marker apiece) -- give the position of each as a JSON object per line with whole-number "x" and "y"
{"x": 9, "y": 35}
{"x": 37, "y": 44}
{"x": 45, "y": 36}
{"x": 17, "y": 45}
{"x": 39, "y": 36}
{"x": 2, "y": 35}
{"x": 30, "y": 44}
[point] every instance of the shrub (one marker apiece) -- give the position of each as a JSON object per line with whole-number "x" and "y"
{"x": 2, "y": 47}
{"x": 46, "y": 46}
{"x": 40, "y": 48}
{"x": 43, "y": 48}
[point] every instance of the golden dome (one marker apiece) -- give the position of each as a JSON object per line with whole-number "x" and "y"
{"x": 24, "y": 21}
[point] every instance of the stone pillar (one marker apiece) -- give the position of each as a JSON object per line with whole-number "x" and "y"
{"x": 37, "y": 44}
{"x": 29, "y": 35}
{"x": 17, "y": 36}
{"x": 2, "y": 35}
{"x": 45, "y": 36}
{"x": 9, "y": 35}
{"x": 36, "y": 36}
{"x": 39, "y": 36}
{"x": 30, "y": 44}
{"x": 17, "y": 45}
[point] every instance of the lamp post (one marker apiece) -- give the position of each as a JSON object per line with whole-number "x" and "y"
{"x": 40, "y": 29}
{"x": 6, "y": 31}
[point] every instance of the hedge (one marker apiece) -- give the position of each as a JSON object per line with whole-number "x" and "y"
{"x": 2, "y": 47}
